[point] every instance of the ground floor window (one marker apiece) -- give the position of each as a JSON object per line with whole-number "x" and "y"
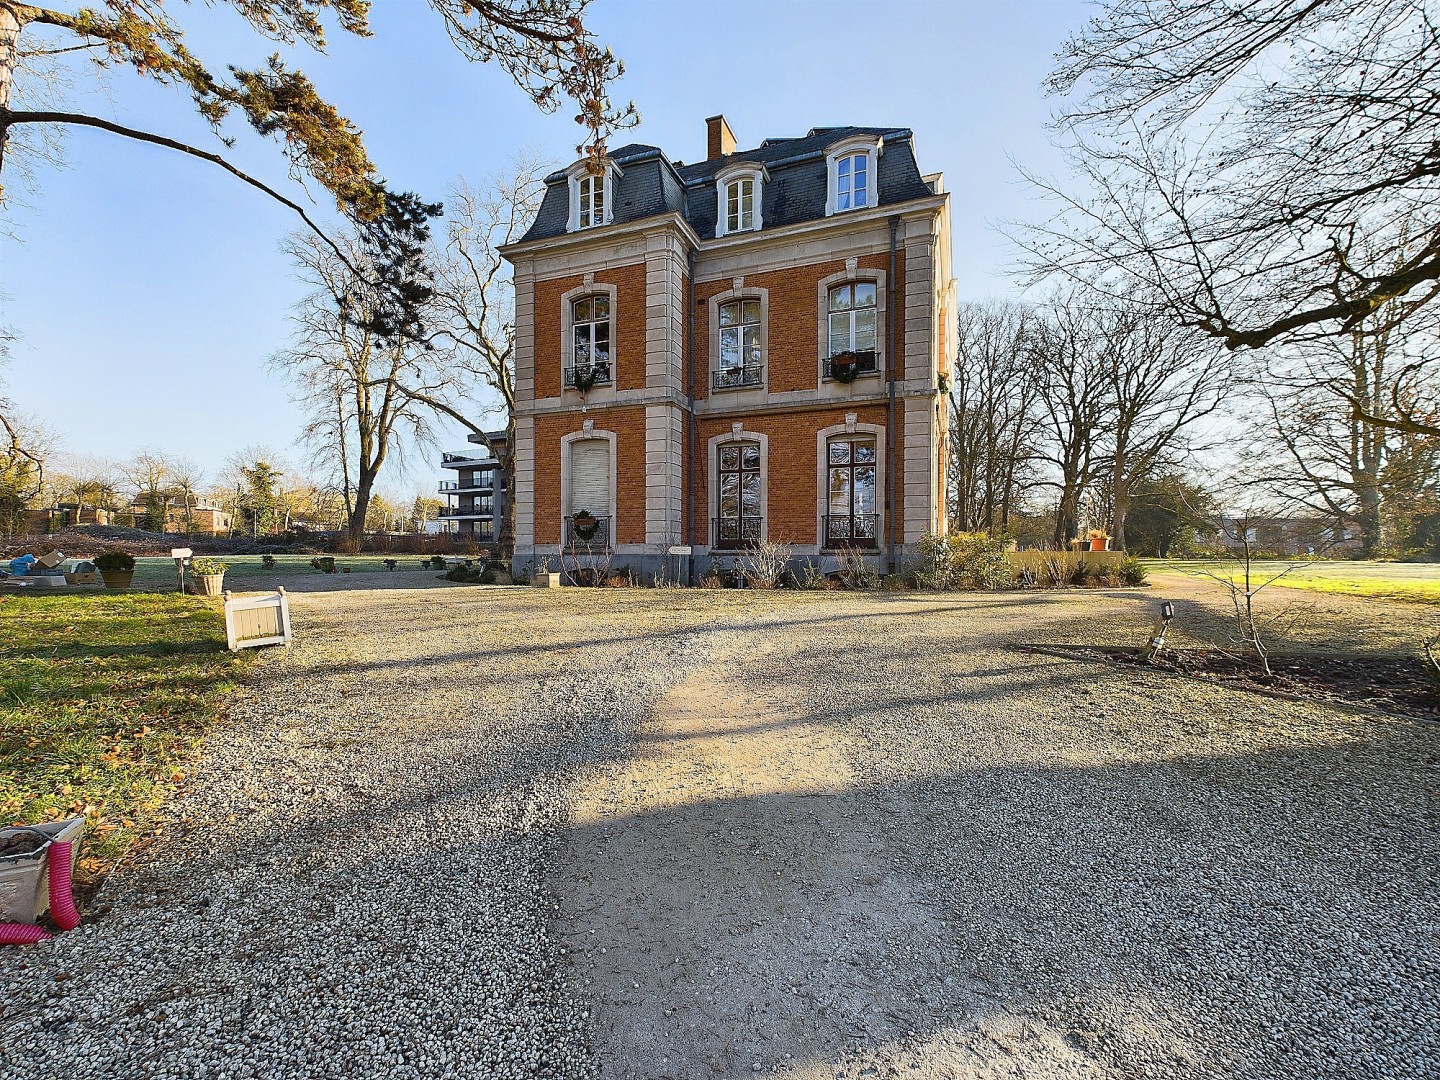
{"x": 739, "y": 522}
{"x": 851, "y": 518}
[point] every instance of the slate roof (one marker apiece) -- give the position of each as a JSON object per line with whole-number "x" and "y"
{"x": 650, "y": 184}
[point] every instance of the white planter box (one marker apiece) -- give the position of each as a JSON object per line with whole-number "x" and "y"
{"x": 25, "y": 879}
{"x": 545, "y": 581}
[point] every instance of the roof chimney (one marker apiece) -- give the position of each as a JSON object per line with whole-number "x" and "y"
{"x": 719, "y": 139}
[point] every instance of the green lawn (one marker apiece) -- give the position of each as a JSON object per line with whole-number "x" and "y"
{"x": 1393, "y": 580}
{"x": 103, "y": 699}
{"x": 247, "y": 573}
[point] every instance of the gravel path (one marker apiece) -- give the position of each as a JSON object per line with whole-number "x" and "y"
{"x": 502, "y": 833}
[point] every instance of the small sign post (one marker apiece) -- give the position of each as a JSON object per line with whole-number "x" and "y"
{"x": 181, "y": 557}
{"x": 682, "y": 554}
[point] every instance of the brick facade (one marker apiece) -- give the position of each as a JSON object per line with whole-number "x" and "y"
{"x": 662, "y": 412}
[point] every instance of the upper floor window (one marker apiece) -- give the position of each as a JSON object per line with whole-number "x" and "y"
{"x": 851, "y": 320}
{"x": 738, "y": 189}
{"x": 852, "y": 181}
{"x": 589, "y": 362}
{"x": 591, "y": 193}
{"x": 852, "y": 174}
{"x": 740, "y": 205}
{"x": 740, "y": 358}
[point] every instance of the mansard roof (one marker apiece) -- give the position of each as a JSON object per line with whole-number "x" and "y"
{"x": 649, "y": 183}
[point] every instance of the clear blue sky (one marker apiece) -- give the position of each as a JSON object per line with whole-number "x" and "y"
{"x": 149, "y": 289}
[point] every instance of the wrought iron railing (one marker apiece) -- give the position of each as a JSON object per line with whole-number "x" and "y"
{"x": 866, "y": 363}
{"x": 852, "y": 530}
{"x": 732, "y": 378}
{"x": 584, "y": 376}
{"x": 736, "y": 533}
{"x": 587, "y": 533}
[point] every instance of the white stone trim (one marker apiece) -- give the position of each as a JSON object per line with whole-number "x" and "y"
{"x": 882, "y": 315}
{"x": 865, "y": 145}
{"x": 737, "y": 434}
{"x": 738, "y": 292}
{"x": 590, "y": 287}
{"x": 822, "y": 479}
{"x": 740, "y": 170}
{"x": 573, "y": 175}
{"x": 664, "y": 475}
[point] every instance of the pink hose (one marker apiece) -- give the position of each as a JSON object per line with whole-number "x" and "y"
{"x": 62, "y": 902}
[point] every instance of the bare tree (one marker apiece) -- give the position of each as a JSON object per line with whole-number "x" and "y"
{"x": 1069, "y": 352}
{"x": 474, "y": 312}
{"x": 1266, "y": 170}
{"x": 361, "y": 390}
{"x": 148, "y": 474}
{"x": 186, "y": 480}
{"x": 1323, "y": 440}
{"x": 1164, "y": 379}
{"x": 993, "y": 423}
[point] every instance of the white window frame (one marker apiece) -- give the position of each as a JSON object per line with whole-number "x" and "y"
{"x": 611, "y": 511}
{"x": 730, "y": 296}
{"x": 578, "y": 174}
{"x": 734, "y": 174}
{"x": 567, "y": 331}
{"x": 822, "y": 301}
{"x": 865, "y": 146}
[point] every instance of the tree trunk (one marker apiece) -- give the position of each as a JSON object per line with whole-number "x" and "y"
{"x": 1121, "y": 485}
{"x": 9, "y": 55}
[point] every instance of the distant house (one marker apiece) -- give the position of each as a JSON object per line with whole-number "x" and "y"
{"x": 1293, "y": 535}
{"x": 201, "y": 518}
{"x": 749, "y": 348}
{"x": 475, "y": 499}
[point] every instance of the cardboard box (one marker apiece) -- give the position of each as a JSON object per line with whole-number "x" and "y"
{"x": 49, "y": 562}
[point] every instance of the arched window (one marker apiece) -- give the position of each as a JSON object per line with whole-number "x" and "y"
{"x": 589, "y": 361}
{"x": 739, "y": 189}
{"x": 851, "y": 324}
{"x": 851, "y": 165}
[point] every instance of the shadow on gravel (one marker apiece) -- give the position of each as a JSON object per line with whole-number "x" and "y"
{"x": 1206, "y": 915}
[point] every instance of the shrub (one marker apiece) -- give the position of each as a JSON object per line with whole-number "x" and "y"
{"x": 855, "y": 571}
{"x": 113, "y": 559}
{"x": 267, "y": 561}
{"x": 765, "y": 562}
{"x": 964, "y": 560}
{"x": 207, "y": 567}
{"x": 1133, "y": 571}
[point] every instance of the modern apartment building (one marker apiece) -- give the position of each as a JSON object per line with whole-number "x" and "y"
{"x": 751, "y": 347}
{"x": 475, "y": 499}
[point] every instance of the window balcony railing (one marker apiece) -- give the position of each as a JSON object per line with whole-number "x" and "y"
{"x": 589, "y": 533}
{"x": 732, "y": 378}
{"x": 452, "y": 487}
{"x": 852, "y": 530}
{"x": 583, "y": 376}
{"x": 450, "y": 459}
{"x": 865, "y": 363}
{"x": 465, "y": 512}
{"x": 736, "y": 533}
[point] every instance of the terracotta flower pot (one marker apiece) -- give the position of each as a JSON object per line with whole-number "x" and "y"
{"x": 117, "y": 579}
{"x": 1099, "y": 543}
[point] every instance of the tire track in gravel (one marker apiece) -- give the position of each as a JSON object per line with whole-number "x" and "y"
{"x": 357, "y": 882}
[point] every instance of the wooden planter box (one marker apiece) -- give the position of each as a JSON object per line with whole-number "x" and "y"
{"x": 251, "y": 621}
{"x": 545, "y": 581}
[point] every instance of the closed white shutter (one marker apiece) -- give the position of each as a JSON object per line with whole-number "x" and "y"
{"x": 590, "y": 477}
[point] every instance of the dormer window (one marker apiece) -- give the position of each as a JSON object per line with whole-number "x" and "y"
{"x": 852, "y": 181}
{"x": 738, "y": 193}
{"x": 592, "y": 194}
{"x": 852, "y": 169}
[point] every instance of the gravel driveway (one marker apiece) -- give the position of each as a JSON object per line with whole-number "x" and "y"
{"x": 460, "y": 832}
